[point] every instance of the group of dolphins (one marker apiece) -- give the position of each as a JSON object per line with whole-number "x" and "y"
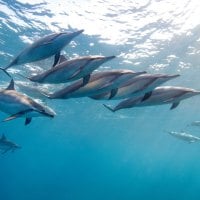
{"x": 134, "y": 88}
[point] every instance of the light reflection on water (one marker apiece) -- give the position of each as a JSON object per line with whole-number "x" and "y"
{"x": 146, "y": 32}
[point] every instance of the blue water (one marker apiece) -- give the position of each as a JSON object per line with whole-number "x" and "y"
{"x": 87, "y": 152}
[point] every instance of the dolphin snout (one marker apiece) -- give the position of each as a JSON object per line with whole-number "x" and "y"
{"x": 196, "y": 92}
{"x": 110, "y": 57}
{"x": 139, "y": 73}
{"x": 51, "y": 115}
{"x": 77, "y": 32}
{"x": 174, "y": 76}
{"x": 49, "y": 112}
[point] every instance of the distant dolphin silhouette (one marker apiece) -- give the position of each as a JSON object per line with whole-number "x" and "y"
{"x": 160, "y": 95}
{"x": 143, "y": 84}
{"x": 6, "y": 145}
{"x": 98, "y": 83}
{"x": 20, "y": 105}
{"x": 44, "y": 47}
{"x": 184, "y": 136}
{"x": 70, "y": 70}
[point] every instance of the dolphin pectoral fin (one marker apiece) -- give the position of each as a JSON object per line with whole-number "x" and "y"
{"x": 86, "y": 79}
{"x": 56, "y": 59}
{"x": 113, "y": 93}
{"x": 174, "y": 105}
{"x": 146, "y": 96}
{"x": 62, "y": 59}
{"x": 109, "y": 108}
{"x": 16, "y": 115}
{"x": 28, "y": 120}
{"x": 12, "y": 117}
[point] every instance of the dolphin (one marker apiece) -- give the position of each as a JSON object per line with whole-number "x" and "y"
{"x": 185, "y": 136}
{"x": 160, "y": 95}
{"x": 195, "y": 123}
{"x": 136, "y": 86}
{"x": 6, "y": 145}
{"x": 70, "y": 70}
{"x": 19, "y": 105}
{"x": 44, "y": 47}
{"x": 98, "y": 83}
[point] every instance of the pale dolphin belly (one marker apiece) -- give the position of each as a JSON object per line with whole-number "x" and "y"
{"x": 12, "y": 102}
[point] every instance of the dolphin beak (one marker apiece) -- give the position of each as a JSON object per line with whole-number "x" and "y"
{"x": 110, "y": 57}
{"x": 74, "y": 34}
{"x": 197, "y": 92}
{"x": 139, "y": 73}
{"x": 174, "y": 76}
{"x": 48, "y": 112}
{"x": 51, "y": 115}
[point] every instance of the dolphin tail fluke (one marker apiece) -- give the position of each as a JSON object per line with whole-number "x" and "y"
{"x": 5, "y": 71}
{"x": 109, "y": 108}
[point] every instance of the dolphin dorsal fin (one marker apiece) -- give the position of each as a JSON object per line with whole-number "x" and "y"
{"x": 3, "y": 137}
{"x": 62, "y": 59}
{"x": 11, "y": 86}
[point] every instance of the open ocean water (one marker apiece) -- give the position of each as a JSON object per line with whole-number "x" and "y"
{"x": 87, "y": 152}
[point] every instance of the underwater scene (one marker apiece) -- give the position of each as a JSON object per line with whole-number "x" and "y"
{"x": 99, "y": 100}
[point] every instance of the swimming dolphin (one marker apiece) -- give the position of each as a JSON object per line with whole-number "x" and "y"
{"x": 160, "y": 95}
{"x": 6, "y": 145}
{"x": 44, "y": 47}
{"x": 98, "y": 83}
{"x": 195, "y": 123}
{"x": 70, "y": 70}
{"x": 185, "y": 136}
{"x": 136, "y": 86}
{"x": 19, "y": 105}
